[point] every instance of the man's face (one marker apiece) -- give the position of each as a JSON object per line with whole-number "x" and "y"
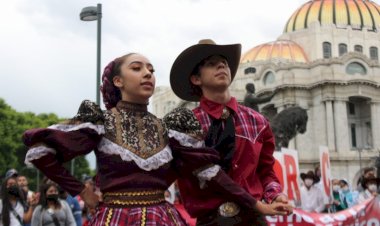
{"x": 335, "y": 182}
{"x": 22, "y": 181}
{"x": 215, "y": 74}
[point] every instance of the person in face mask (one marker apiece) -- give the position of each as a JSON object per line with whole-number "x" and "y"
{"x": 337, "y": 203}
{"x": 13, "y": 210}
{"x": 51, "y": 210}
{"x": 311, "y": 196}
{"x": 370, "y": 185}
{"x": 350, "y": 198}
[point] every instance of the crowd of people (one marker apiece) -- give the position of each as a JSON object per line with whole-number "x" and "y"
{"x": 49, "y": 206}
{"x": 343, "y": 195}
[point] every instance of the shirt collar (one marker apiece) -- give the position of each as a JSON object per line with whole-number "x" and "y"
{"x": 215, "y": 109}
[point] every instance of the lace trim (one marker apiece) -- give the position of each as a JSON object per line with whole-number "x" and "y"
{"x": 69, "y": 127}
{"x": 186, "y": 140}
{"x": 151, "y": 163}
{"x": 207, "y": 175}
{"x": 37, "y": 153}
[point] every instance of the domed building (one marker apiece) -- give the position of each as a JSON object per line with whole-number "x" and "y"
{"x": 327, "y": 62}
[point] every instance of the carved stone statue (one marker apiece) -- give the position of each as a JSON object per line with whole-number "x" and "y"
{"x": 287, "y": 124}
{"x": 251, "y": 100}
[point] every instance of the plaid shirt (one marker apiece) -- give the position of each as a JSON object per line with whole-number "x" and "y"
{"x": 252, "y": 163}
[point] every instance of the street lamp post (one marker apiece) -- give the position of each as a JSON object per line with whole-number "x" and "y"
{"x": 92, "y": 13}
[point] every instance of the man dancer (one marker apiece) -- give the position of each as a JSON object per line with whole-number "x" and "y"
{"x": 243, "y": 137}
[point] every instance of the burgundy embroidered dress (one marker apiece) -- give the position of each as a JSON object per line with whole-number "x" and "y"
{"x": 137, "y": 155}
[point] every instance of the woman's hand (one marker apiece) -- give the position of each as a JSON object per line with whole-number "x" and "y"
{"x": 89, "y": 197}
{"x": 275, "y": 208}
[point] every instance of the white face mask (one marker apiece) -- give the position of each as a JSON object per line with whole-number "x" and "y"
{"x": 336, "y": 187}
{"x": 345, "y": 189}
{"x": 372, "y": 187}
{"x": 308, "y": 182}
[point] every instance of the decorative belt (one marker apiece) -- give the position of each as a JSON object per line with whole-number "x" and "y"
{"x": 134, "y": 198}
{"x": 229, "y": 209}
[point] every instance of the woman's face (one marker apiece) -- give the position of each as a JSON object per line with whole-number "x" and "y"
{"x": 52, "y": 190}
{"x": 11, "y": 182}
{"x": 136, "y": 80}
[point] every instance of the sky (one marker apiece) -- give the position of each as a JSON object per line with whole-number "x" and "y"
{"x": 48, "y": 55}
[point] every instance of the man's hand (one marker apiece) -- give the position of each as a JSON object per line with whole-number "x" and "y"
{"x": 275, "y": 208}
{"x": 283, "y": 199}
{"x": 33, "y": 201}
{"x": 89, "y": 197}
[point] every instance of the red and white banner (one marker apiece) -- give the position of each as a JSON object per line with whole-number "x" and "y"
{"x": 324, "y": 158}
{"x": 287, "y": 170}
{"x": 365, "y": 214}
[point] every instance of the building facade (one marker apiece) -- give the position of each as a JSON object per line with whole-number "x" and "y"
{"x": 327, "y": 62}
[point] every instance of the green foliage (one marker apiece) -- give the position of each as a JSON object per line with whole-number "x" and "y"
{"x": 12, "y": 151}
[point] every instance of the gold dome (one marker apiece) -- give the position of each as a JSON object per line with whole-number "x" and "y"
{"x": 358, "y": 14}
{"x": 282, "y": 49}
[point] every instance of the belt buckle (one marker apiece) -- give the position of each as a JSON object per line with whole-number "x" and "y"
{"x": 229, "y": 209}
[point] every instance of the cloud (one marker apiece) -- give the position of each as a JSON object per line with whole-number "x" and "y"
{"x": 48, "y": 60}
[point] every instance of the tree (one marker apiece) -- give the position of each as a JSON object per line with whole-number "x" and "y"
{"x": 12, "y": 150}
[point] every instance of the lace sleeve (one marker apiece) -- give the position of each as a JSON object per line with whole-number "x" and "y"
{"x": 207, "y": 175}
{"x": 183, "y": 120}
{"x": 88, "y": 112}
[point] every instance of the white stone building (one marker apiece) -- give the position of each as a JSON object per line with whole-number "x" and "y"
{"x": 327, "y": 62}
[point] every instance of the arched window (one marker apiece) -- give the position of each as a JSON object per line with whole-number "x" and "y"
{"x": 269, "y": 78}
{"x": 250, "y": 70}
{"x": 359, "y": 123}
{"x": 373, "y": 53}
{"x": 326, "y": 50}
{"x": 356, "y": 68}
{"x": 342, "y": 49}
{"x": 358, "y": 48}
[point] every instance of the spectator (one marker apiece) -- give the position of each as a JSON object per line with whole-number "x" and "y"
{"x": 22, "y": 182}
{"x": 52, "y": 211}
{"x": 367, "y": 172}
{"x": 337, "y": 203}
{"x": 317, "y": 172}
{"x": 73, "y": 204}
{"x": 13, "y": 209}
{"x": 11, "y": 173}
{"x": 370, "y": 186}
{"x": 88, "y": 213}
{"x": 311, "y": 196}
{"x": 319, "y": 185}
{"x": 349, "y": 197}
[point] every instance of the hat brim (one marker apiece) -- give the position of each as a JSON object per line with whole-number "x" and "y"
{"x": 184, "y": 65}
{"x": 365, "y": 181}
{"x": 305, "y": 175}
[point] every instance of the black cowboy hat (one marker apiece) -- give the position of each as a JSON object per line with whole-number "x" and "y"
{"x": 185, "y": 63}
{"x": 370, "y": 179}
{"x": 310, "y": 174}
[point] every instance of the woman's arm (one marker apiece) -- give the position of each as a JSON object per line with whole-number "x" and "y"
{"x": 50, "y": 148}
{"x": 36, "y": 217}
{"x": 69, "y": 215}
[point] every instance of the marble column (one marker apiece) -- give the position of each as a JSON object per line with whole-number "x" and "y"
{"x": 330, "y": 126}
{"x": 375, "y": 124}
{"x": 342, "y": 134}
